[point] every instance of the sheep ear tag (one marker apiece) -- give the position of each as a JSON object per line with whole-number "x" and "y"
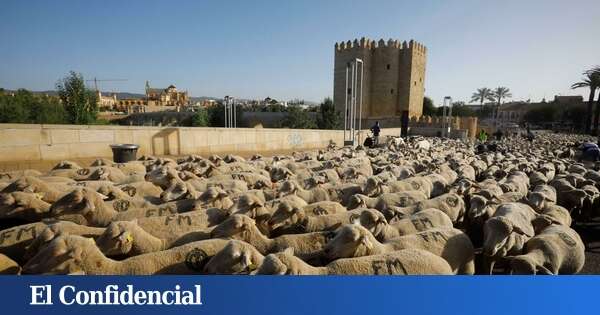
{"x": 129, "y": 238}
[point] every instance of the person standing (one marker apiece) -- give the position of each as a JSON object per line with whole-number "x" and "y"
{"x": 376, "y": 130}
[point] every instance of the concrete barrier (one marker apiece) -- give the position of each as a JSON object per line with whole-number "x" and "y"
{"x": 29, "y": 146}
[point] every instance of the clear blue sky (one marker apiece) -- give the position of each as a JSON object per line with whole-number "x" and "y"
{"x": 284, "y": 49}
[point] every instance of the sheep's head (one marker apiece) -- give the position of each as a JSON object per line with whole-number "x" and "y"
{"x": 497, "y": 232}
{"x": 249, "y": 205}
{"x": 287, "y": 187}
{"x": 372, "y": 220}
{"x": 161, "y": 176}
{"x": 463, "y": 186}
{"x": 286, "y": 215}
{"x": 282, "y": 263}
{"x": 216, "y": 197}
{"x": 538, "y": 200}
{"x": 22, "y": 205}
{"x": 43, "y": 239}
{"x": 351, "y": 240}
{"x": 261, "y": 183}
{"x": 357, "y": 201}
{"x": 279, "y": 173}
{"x": 176, "y": 191}
{"x": 117, "y": 238}
{"x": 477, "y": 207}
{"x": 65, "y": 254}
{"x": 29, "y": 184}
{"x": 237, "y": 226}
{"x": 66, "y": 165}
{"x": 83, "y": 201}
{"x": 373, "y": 186}
{"x": 526, "y": 265}
{"x": 235, "y": 258}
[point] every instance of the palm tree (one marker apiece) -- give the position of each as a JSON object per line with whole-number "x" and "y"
{"x": 498, "y": 94}
{"x": 590, "y": 80}
{"x": 482, "y": 95}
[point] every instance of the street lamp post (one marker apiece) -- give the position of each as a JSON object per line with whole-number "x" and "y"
{"x": 446, "y": 115}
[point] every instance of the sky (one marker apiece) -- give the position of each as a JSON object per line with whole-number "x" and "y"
{"x": 285, "y": 49}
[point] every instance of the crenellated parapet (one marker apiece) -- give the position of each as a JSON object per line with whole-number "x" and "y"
{"x": 367, "y": 43}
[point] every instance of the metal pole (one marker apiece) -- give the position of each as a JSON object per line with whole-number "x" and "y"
{"x": 234, "y": 114}
{"x": 346, "y": 104}
{"x": 225, "y": 110}
{"x": 353, "y": 104}
{"x": 362, "y": 68}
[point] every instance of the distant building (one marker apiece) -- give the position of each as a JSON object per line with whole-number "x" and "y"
{"x": 106, "y": 101}
{"x": 514, "y": 112}
{"x": 166, "y": 97}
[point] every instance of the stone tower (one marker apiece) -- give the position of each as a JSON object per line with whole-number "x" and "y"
{"x": 393, "y": 78}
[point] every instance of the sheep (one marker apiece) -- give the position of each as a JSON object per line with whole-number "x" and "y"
{"x": 375, "y": 187}
{"x": 541, "y": 196}
{"x": 31, "y": 184}
{"x": 236, "y": 258}
{"x": 421, "y": 221}
{"x": 67, "y": 254}
{"x": 403, "y": 262}
{"x": 325, "y": 207}
{"x": 556, "y": 250}
{"x": 552, "y": 214}
{"x": 86, "y": 207}
{"x": 8, "y": 266}
{"x": 15, "y": 241}
{"x": 307, "y": 246}
{"x": 310, "y": 196}
{"x": 451, "y": 204}
{"x": 454, "y": 246}
{"x": 387, "y": 200}
{"x": 506, "y": 232}
{"x": 128, "y": 238}
{"x": 25, "y": 206}
{"x": 298, "y": 221}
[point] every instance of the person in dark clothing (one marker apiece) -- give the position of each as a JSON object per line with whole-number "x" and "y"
{"x": 498, "y": 134}
{"x": 589, "y": 152}
{"x": 375, "y": 130}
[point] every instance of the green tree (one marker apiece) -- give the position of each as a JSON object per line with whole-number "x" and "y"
{"x": 200, "y": 118}
{"x": 297, "y": 118}
{"x": 498, "y": 95}
{"x": 80, "y": 103}
{"x": 329, "y": 118}
{"x": 428, "y": 107}
{"x": 591, "y": 80}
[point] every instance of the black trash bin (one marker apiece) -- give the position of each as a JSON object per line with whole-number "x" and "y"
{"x": 123, "y": 153}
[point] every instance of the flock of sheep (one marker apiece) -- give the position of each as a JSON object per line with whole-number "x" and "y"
{"x": 412, "y": 206}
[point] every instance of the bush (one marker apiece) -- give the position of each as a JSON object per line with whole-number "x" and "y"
{"x": 200, "y": 118}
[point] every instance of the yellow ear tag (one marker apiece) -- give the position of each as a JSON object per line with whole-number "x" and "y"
{"x": 129, "y": 238}
{"x": 251, "y": 267}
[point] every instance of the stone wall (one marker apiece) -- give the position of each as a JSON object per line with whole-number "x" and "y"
{"x": 393, "y": 77}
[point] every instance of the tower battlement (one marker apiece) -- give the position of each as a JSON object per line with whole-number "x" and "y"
{"x": 372, "y": 44}
{"x": 393, "y": 76}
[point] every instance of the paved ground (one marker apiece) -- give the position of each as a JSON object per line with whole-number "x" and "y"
{"x": 590, "y": 234}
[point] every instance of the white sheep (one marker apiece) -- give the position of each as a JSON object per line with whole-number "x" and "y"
{"x": 403, "y": 262}
{"x": 556, "y": 250}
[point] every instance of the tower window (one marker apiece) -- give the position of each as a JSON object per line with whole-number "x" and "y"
{"x": 388, "y": 66}
{"x": 415, "y": 83}
{"x": 349, "y": 90}
{"x": 392, "y": 91}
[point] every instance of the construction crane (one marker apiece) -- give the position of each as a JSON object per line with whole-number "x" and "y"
{"x": 95, "y": 80}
